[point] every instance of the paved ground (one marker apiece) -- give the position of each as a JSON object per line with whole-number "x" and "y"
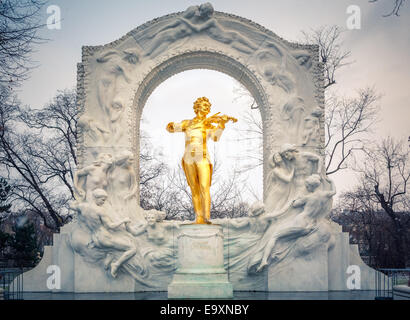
{"x": 333, "y": 295}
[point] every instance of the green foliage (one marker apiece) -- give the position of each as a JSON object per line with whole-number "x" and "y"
{"x": 5, "y": 239}
{"x": 24, "y": 245}
{"x": 5, "y": 188}
{"x": 4, "y": 193}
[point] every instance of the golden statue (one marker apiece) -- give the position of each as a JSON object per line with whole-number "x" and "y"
{"x": 195, "y": 162}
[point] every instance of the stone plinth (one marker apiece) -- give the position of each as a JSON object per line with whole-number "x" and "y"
{"x": 200, "y": 272}
{"x": 304, "y": 273}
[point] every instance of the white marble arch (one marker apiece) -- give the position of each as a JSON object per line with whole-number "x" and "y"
{"x": 274, "y": 71}
{"x": 136, "y": 249}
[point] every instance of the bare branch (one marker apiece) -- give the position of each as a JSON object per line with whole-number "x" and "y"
{"x": 331, "y": 54}
{"x": 20, "y": 22}
{"x": 346, "y": 122}
{"x": 396, "y": 7}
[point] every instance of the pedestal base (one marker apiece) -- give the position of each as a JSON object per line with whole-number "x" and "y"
{"x": 200, "y": 273}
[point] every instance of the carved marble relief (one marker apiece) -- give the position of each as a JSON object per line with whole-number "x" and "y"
{"x": 112, "y": 230}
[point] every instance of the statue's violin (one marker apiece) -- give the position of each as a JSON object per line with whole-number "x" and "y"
{"x": 217, "y": 119}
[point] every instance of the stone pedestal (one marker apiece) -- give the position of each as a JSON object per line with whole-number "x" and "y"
{"x": 200, "y": 273}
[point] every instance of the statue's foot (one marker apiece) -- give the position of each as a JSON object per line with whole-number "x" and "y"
{"x": 203, "y": 221}
{"x": 261, "y": 266}
{"x": 114, "y": 269}
{"x": 200, "y": 221}
{"x": 108, "y": 259}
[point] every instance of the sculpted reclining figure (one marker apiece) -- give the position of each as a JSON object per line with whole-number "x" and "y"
{"x": 314, "y": 205}
{"x": 198, "y": 19}
{"x": 106, "y": 233}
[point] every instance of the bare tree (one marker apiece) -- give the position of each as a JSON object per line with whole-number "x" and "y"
{"x": 5, "y": 189}
{"x": 38, "y": 155}
{"x": 19, "y": 25}
{"x": 347, "y": 121}
{"x": 396, "y": 7}
{"x": 155, "y": 192}
{"x": 383, "y": 188}
{"x": 252, "y": 136}
{"x": 331, "y": 52}
{"x": 226, "y": 198}
{"x": 163, "y": 188}
{"x": 370, "y": 227}
{"x": 332, "y": 55}
{"x": 58, "y": 122}
{"x": 151, "y": 165}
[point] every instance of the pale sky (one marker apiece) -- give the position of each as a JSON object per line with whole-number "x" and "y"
{"x": 380, "y": 50}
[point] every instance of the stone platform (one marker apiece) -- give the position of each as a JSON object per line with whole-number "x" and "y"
{"x": 200, "y": 273}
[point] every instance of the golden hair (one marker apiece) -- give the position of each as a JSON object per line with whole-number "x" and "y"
{"x": 203, "y": 100}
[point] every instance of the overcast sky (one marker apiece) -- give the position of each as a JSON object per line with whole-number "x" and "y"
{"x": 380, "y": 50}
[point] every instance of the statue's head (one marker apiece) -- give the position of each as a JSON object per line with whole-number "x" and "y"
{"x": 312, "y": 182}
{"x": 202, "y": 106}
{"x": 277, "y": 158}
{"x": 257, "y": 208}
{"x": 153, "y": 216}
{"x": 206, "y": 10}
{"x": 99, "y": 196}
{"x": 103, "y": 158}
{"x": 126, "y": 157}
{"x": 288, "y": 151}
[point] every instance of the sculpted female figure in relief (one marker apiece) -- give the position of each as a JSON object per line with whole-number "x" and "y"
{"x": 197, "y": 19}
{"x": 279, "y": 179}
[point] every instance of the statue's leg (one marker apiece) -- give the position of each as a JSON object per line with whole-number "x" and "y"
{"x": 204, "y": 176}
{"x": 125, "y": 257}
{"x": 107, "y": 261}
{"x": 118, "y": 243}
{"x": 287, "y": 233}
{"x": 192, "y": 179}
{"x": 208, "y": 213}
{"x": 266, "y": 253}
